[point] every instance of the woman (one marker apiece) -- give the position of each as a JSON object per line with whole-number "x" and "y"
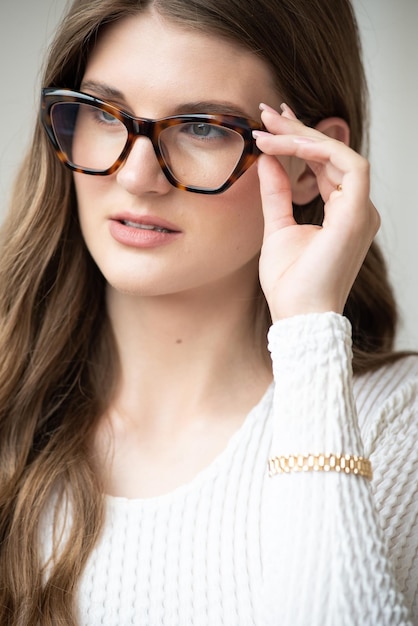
{"x": 139, "y": 278}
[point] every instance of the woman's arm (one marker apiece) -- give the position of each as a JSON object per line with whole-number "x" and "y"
{"x": 327, "y": 559}
{"x": 326, "y": 556}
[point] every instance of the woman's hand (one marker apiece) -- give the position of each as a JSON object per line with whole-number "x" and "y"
{"x": 307, "y": 268}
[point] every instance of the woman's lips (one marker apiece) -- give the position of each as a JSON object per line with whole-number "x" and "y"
{"x": 146, "y": 226}
{"x": 142, "y": 231}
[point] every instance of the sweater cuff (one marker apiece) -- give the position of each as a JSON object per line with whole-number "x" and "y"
{"x": 308, "y": 331}
{"x": 314, "y": 410}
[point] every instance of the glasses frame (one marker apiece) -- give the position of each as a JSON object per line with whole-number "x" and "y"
{"x": 143, "y": 127}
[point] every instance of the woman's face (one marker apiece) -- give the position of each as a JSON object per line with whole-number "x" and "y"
{"x": 153, "y": 69}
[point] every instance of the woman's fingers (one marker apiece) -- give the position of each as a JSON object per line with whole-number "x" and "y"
{"x": 336, "y": 167}
{"x": 305, "y": 268}
{"x": 276, "y": 194}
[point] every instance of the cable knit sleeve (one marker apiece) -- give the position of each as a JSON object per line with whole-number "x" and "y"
{"x": 326, "y": 556}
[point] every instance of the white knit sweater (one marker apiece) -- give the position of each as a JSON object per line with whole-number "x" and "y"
{"x": 238, "y": 548}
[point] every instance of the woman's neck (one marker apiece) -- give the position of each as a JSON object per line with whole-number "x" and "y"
{"x": 190, "y": 372}
{"x": 185, "y": 350}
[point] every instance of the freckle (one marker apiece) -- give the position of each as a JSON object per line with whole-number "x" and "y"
{"x": 179, "y": 341}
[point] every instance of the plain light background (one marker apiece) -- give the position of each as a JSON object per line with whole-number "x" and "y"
{"x": 391, "y": 57}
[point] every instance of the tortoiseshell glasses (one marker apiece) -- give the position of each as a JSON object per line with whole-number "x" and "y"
{"x": 200, "y": 153}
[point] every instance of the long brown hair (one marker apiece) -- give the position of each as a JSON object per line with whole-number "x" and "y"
{"x": 58, "y": 361}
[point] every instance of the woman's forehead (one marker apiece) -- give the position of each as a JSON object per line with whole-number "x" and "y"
{"x": 147, "y": 57}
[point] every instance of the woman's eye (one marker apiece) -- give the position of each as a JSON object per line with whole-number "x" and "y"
{"x": 107, "y": 118}
{"x": 206, "y": 131}
{"x": 203, "y": 130}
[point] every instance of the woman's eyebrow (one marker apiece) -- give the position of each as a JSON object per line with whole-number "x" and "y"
{"x": 102, "y": 90}
{"x": 210, "y": 106}
{"x": 106, "y": 92}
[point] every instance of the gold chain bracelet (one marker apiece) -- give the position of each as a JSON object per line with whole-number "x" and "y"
{"x": 343, "y": 463}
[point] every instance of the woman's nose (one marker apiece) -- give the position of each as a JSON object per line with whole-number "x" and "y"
{"x": 141, "y": 172}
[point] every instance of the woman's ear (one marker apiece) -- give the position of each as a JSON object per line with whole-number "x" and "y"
{"x": 304, "y": 185}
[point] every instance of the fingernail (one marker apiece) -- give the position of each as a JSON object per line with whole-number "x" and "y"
{"x": 260, "y": 133}
{"x": 287, "y": 111}
{"x": 266, "y": 107}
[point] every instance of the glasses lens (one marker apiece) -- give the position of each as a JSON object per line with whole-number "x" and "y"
{"x": 90, "y": 137}
{"x": 201, "y": 154}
